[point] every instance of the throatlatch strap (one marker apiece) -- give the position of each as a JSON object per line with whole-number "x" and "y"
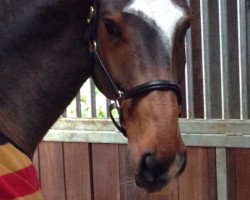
{"x": 118, "y": 125}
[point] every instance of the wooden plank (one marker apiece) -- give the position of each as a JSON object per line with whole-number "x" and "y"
{"x": 105, "y": 167}
{"x": 243, "y": 173}
{"x": 77, "y": 171}
{"x": 193, "y": 184}
{"x": 231, "y": 174}
{"x": 52, "y": 171}
{"x": 129, "y": 190}
{"x": 212, "y": 184}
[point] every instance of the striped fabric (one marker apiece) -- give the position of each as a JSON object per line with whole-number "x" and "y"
{"x": 18, "y": 177}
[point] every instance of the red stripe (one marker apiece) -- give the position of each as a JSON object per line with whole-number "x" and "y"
{"x": 19, "y": 184}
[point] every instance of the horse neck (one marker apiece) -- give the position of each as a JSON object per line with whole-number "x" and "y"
{"x": 43, "y": 63}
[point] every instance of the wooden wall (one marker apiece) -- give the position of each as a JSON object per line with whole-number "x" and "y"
{"x": 78, "y": 171}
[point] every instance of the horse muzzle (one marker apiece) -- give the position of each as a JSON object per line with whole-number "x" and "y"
{"x": 153, "y": 175}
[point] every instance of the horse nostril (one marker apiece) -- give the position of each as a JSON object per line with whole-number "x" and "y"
{"x": 148, "y": 168}
{"x": 150, "y": 162}
{"x": 148, "y": 175}
{"x": 181, "y": 161}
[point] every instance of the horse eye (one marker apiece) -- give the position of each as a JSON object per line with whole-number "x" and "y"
{"x": 111, "y": 28}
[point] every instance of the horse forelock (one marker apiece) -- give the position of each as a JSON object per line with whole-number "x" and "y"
{"x": 165, "y": 14}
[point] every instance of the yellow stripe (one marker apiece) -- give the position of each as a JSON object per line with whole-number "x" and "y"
{"x": 12, "y": 159}
{"x": 35, "y": 196}
{"x": 4, "y": 170}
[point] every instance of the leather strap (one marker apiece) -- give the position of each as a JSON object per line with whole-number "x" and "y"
{"x": 154, "y": 85}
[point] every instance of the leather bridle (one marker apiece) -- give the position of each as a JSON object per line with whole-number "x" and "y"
{"x": 121, "y": 96}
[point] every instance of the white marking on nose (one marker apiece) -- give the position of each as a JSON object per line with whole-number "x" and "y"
{"x": 164, "y": 13}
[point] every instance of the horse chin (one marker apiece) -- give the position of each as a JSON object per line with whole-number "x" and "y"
{"x": 168, "y": 188}
{"x": 158, "y": 188}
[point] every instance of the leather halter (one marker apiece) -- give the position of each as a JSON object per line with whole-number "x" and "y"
{"x": 121, "y": 96}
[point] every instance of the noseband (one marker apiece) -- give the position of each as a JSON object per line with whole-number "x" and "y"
{"x": 121, "y": 96}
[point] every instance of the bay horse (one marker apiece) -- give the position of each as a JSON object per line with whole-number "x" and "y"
{"x": 137, "y": 46}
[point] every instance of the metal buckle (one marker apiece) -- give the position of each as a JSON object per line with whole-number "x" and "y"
{"x": 119, "y": 100}
{"x": 91, "y": 14}
{"x": 92, "y": 46}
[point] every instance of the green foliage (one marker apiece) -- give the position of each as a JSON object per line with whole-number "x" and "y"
{"x": 115, "y": 113}
{"x": 101, "y": 113}
{"x": 84, "y": 104}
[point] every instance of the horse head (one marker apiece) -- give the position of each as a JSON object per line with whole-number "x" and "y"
{"x": 139, "y": 48}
